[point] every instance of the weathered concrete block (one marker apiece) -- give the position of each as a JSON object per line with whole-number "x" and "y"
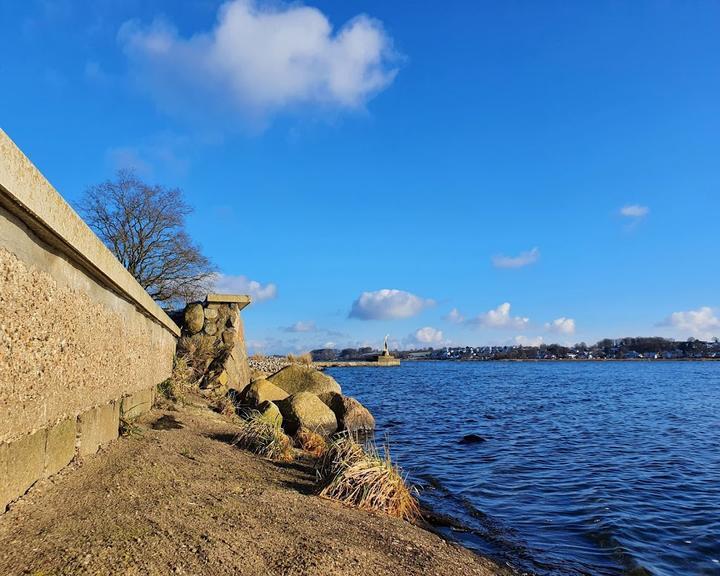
{"x": 4, "y": 487}
{"x": 136, "y": 404}
{"x": 98, "y": 426}
{"x": 60, "y": 445}
{"x": 24, "y": 461}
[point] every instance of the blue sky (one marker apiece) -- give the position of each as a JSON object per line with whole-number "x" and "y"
{"x": 444, "y": 172}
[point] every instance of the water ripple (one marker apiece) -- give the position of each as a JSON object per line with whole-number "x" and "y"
{"x": 586, "y": 468}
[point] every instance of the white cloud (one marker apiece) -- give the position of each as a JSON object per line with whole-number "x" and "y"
{"x": 500, "y": 318}
{"x": 522, "y": 259}
{"x": 428, "y": 335}
{"x": 301, "y": 326}
{"x": 158, "y": 154}
{"x": 701, "y": 323}
{"x": 561, "y": 325}
{"x": 261, "y": 58}
{"x": 228, "y": 284}
{"x": 388, "y": 304}
{"x": 634, "y": 211}
{"x": 455, "y": 316}
{"x": 525, "y": 341}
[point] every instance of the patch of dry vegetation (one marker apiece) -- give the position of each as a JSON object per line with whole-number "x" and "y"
{"x": 311, "y": 442}
{"x": 129, "y": 427}
{"x": 175, "y": 388}
{"x": 224, "y": 405}
{"x": 363, "y": 478}
{"x": 264, "y": 438}
{"x": 198, "y": 353}
{"x": 305, "y": 359}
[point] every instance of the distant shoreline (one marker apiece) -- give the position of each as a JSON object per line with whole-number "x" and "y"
{"x": 370, "y": 364}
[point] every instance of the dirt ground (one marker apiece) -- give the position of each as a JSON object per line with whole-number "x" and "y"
{"x": 178, "y": 498}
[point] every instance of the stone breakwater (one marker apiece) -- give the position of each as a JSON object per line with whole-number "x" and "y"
{"x": 267, "y": 364}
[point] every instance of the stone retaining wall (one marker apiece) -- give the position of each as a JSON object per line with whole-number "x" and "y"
{"x": 80, "y": 340}
{"x": 217, "y": 324}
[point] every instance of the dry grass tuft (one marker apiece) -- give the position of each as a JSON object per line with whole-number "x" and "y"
{"x": 366, "y": 479}
{"x": 128, "y": 427}
{"x": 198, "y": 354}
{"x": 264, "y": 438}
{"x": 224, "y": 405}
{"x": 305, "y": 359}
{"x": 311, "y": 442}
{"x": 175, "y": 388}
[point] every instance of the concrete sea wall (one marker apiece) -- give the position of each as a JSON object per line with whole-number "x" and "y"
{"x": 81, "y": 341}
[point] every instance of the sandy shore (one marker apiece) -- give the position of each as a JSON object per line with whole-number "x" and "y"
{"x": 178, "y": 498}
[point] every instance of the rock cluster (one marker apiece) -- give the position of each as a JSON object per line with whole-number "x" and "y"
{"x": 306, "y": 398}
{"x": 267, "y": 364}
{"x": 213, "y": 335}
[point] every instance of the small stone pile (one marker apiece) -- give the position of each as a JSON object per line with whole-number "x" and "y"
{"x": 216, "y": 330}
{"x": 301, "y": 397}
{"x": 267, "y": 364}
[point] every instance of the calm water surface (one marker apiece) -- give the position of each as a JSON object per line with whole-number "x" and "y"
{"x": 585, "y": 468}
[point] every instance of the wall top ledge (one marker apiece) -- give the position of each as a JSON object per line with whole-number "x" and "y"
{"x": 242, "y": 300}
{"x": 25, "y": 191}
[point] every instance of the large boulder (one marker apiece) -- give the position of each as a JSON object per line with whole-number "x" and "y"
{"x": 261, "y": 390}
{"x": 350, "y": 414}
{"x": 270, "y": 413}
{"x": 294, "y": 379}
{"x": 194, "y": 318}
{"x": 305, "y": 410}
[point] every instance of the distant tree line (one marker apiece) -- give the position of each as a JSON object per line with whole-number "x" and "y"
{"x": 653, "y": 347}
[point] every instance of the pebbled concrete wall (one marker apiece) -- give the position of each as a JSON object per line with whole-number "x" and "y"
{"x": 79, "y": 337}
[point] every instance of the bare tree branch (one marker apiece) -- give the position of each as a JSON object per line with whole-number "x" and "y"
{"x": 144, "y": 226}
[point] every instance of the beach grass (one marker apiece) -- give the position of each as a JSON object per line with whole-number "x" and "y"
{"x": 311, "y": 442}
{"x": 263, "y": 438}
{"x": 365, "y": 478}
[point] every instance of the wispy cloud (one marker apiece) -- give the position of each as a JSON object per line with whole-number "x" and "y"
{"x": 702, "y": 323}
{"x": 228, "y": 284}
{"x": 500, "y": 317}
{"x": 388, "y": 304}
{"x": 454, "y": 316}
{"x": 301, "y": 326}
{"x": 522, "y": 259}
{"x": 634, "y": 211}
{"x": 528, "y": 341}
{"x": 561, "y": 325}
{"x": 159, "y": 153}
{"x": 261, "y": 58}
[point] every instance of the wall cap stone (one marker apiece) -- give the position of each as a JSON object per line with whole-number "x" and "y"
{"x": 26, "y": 191}
{"x": 242, "y": 300}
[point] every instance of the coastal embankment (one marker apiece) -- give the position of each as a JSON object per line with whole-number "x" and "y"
{"x": 177, "y": 497}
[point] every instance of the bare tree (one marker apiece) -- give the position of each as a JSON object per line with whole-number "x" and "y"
{"x": 144, "y": 226}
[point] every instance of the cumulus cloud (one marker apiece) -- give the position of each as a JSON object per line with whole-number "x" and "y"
{"x": 561, "y": 325}
{"x": 388, "y": 304}
{"x": 634, "y": 211}
{"x": 301, "y": 326}
{"x": 455, "y": 316}
{"x": 526, "y": 341}
{"x": 428, "y": 335}
{"x": 228, "y": 284}
{"x": 522, "y": 259}
{"x": 261, "y": 58}
{"x": 500, "y": 318}
{"x": 701, "y": 323}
